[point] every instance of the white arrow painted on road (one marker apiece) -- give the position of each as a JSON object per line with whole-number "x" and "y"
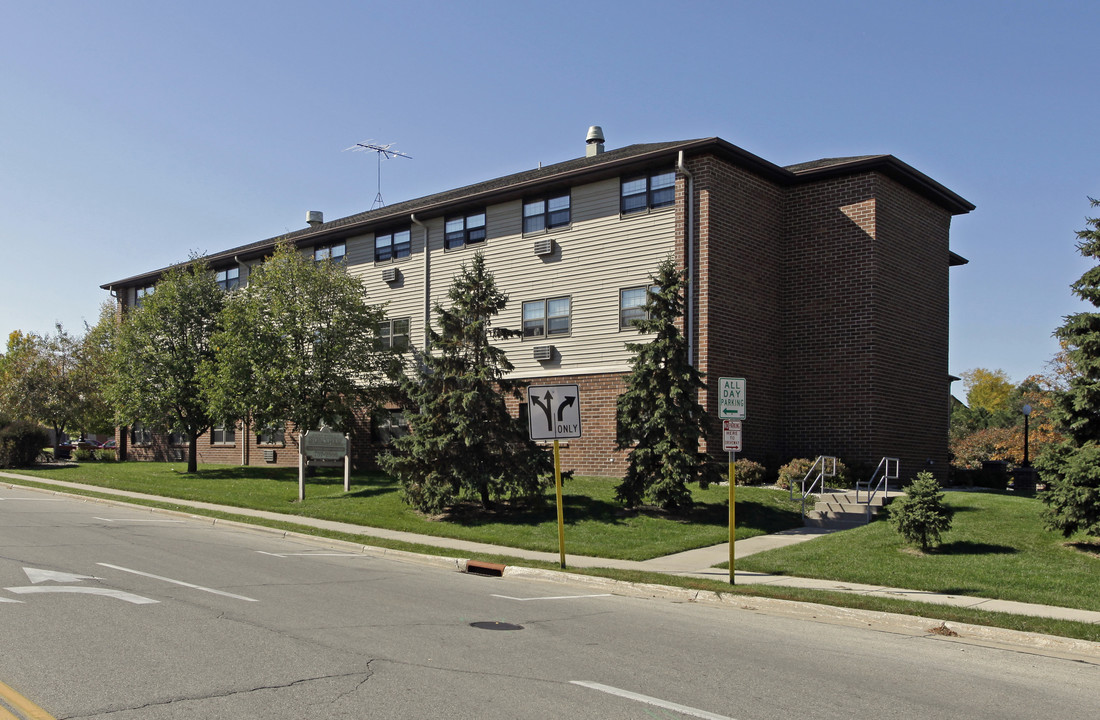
{"x": 106, "y": 592}
{"x": 4, "y": 599}
{"x": 39, "y": 576}
{"x": 552, "y": 597}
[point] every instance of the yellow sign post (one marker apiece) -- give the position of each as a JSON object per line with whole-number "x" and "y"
{"x": 733, "y": 505}
{"x": 553, "y": 412}
{"x": 561, "y": 516}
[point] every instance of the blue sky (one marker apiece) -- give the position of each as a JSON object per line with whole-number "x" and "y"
{"x": 133, "y": 133}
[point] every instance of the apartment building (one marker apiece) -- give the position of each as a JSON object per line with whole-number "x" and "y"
{"x": 823, "y": 284}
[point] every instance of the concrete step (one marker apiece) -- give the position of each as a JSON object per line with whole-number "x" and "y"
{"x": 841, "y": 511}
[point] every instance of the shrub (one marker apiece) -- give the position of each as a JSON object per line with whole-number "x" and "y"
{"x": 20, "y": 443}
{"x": 106, "y": 455}
{"x": 796, "y": 469}
{"x": 750, "y": 472}
{"x": 921, "y": 516}
{"x": 84, "y": 455}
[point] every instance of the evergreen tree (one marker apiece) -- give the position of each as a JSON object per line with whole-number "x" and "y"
{"x": 463, "y": 443}
{"x": 1072, "y": 468}
{"x": 659, "y": 415}
{"x": 921, "y": 516}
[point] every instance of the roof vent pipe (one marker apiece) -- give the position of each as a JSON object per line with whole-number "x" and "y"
{"x": 315, "y": 218}
{"x": 594, "y": 141}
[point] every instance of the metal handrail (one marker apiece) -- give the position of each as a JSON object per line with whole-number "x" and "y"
{"x": 888, "y": 469}
{"x": 822, "y": 473}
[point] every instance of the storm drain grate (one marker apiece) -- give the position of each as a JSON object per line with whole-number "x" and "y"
{"x": 494, "y": 625}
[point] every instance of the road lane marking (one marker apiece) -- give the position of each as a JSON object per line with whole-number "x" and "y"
{"x": 179, "y": 582}
{"x": 311, "y": 554}
{"x": 29, "y": 710}
{"x": 657, "y": 702}
{"x": 36, "y": 576}
{"x": 153, "y": 520}
{"x": 34, "y": 499}
{"x": 79, "y": 590}
{"x": 9, "y": 600}
{"x": 552, "y": 597}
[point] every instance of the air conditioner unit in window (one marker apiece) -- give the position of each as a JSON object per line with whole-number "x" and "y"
{"x": 544, "y": 246}
{"x": 389, "y": 275}
{"x": 269, "y": 456}
{"x": 544, "y": 352}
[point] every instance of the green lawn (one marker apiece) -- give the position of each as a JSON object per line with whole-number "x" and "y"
{"x": 595, "y": 524}
{"x": 996, "y": 548}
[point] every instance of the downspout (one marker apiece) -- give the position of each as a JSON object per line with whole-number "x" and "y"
{"x": 427, "y": 280}
{"x": 689, "y": 252}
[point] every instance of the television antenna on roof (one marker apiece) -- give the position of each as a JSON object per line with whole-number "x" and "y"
{"x": 382, "y": 152}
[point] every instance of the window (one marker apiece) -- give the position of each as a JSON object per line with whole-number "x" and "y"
{"x": 392, "y": 245}
{"x": 140, "y": 435}
{"x": 394, "y": 334}
{"x": 223, "y": 435}
{"x": 177, "y": 438}
{"x": 333, "y": 252}
{"x": 228, "y": 279}
{"x": 648, "y": 192}
{"x": 271, "y": 435}
{"x": 546, "y": 213}
{"x": 632, "y": 305}
{"x": 142, "y": 293}
{"x": 464, "y": 230}
{"x": 390, "y": 425}
{"x": 546, "y": 317}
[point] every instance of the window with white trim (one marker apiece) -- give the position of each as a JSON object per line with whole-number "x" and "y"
{"x": 543, "y": 318}
{"x": 546, "y": 213}
{"x": 390, "y": 425}
{"x": 394, "y": 334}
{"x": 223, "y": 435}
{"x": 141, "y": 293}
{"x": 332, "y": 251}
{"x": 392, "y": 245}
{"x": 464, "y": 230}
{"x": 648, "y": 192}
{"x": 632, "y": 305}
{"x": 177, "y": 439}
{"x": 271, "y": 435}
{"x": 140, "y": 435}
{"x": 228, "y": 279}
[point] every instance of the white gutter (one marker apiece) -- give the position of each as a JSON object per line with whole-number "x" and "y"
{"x": 427, "y": 280}
{"x": 689, "y": 252}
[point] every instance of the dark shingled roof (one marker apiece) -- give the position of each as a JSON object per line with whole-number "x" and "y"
{"x": 633, "y": 158}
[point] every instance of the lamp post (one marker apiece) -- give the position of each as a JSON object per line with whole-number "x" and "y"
{"x": 1027, "y": 413}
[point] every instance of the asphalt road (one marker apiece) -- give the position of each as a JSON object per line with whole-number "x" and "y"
{"x": 109, "y": 612}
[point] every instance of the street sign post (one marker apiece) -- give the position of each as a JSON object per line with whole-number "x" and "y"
{"x": 731, "y": 398}
{"x": 731, "y": 411}
{"x": 553, "y": 413}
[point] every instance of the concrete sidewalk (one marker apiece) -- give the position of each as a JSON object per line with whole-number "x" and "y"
{"x": 693, "y": 563}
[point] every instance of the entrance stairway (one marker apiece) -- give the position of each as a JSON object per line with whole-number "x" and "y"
{"x": 839, "y": 510}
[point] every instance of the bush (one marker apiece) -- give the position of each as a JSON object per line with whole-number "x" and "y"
{"x": 84, "y": 455}
{"x": 921, "y": 516}
{"x": 750, "y": 472}
{"x": 20, "y": 443}
{"x": 106, "y": 455}
{"x": 796, "y": 469}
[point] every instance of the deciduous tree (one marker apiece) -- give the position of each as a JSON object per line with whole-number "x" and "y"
{"x": 162, "y": 346}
